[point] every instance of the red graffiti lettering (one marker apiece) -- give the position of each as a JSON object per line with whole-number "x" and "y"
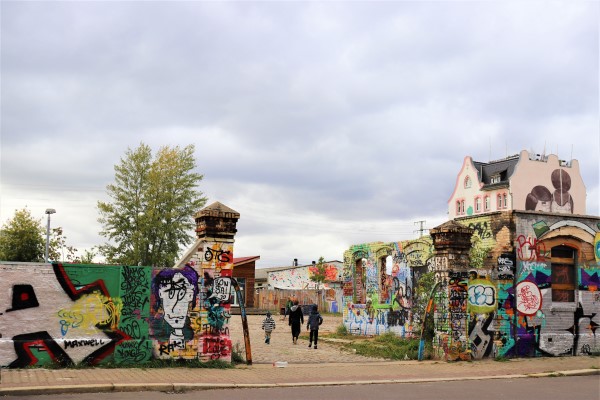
{"x": 529, "y": 249}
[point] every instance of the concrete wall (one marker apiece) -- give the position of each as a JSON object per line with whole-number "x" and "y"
{"x": 93, "y": 314}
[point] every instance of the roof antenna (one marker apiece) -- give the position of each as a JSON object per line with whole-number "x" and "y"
{"x": 490, "y": 156}
{"x": 571, "y": 161}
{"x": 544, "y": 153}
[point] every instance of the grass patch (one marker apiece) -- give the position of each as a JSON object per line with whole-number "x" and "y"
{"x": 387, "y": 346}
{"x": 501, "y": 359}
{"x": 237, "y": 356}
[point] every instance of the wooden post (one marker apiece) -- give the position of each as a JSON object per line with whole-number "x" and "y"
{"x": 427, "y": 311}
{"x": 238, "y": 293}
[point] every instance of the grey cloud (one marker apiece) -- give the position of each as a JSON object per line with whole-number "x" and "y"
{"x": 355, "y": 111}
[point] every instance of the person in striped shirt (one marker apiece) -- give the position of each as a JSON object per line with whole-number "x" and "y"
{"x": 268, "y": 325}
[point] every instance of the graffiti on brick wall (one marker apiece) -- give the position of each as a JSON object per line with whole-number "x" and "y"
{"x": 505, "y": 316}
{"x": 417, "y": 252}
{"x": 372, "y": 281}
{"x": 481, "y": 229}
{"x": 481, "y": 307}
{"x": 359, "y": 281}
{"x": 439, "y": 266}
{"x": 457, "y": 309}
{"x": 214, "y": 338}
{"x": 530, "y": 249}
{"x": 135, "y": 296}
{"x": 597, "y": 247}
{"x": 378, "y": 285}
{"x": 88, "y": 315}
{"x": 529, "y": 298}
{"x": 54, "y": 319}
{"x": 300, "y": 278}
{"x": 174, "y": 298}
{"x": 214, "y": 312}
{"x": 559, "y": 323}
{"x": 375, "y": 319}
{"x": 505, "y": 267}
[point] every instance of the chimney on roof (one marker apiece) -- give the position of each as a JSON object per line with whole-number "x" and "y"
{"x": 295, "y": 262}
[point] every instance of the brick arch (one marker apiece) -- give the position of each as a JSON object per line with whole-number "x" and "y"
{"x": 585, "y": 250}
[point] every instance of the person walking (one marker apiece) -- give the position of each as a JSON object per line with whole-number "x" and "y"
{"x": 288, "y": 306}
{"x": 268, "y": 326}
{"x": 296, "y": 320}
{"x": 314, "y": 320}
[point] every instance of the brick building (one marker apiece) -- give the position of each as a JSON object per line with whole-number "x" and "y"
{"x": 535, "y": 291}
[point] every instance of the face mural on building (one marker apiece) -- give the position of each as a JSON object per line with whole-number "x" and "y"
{"x": 559, "y": 201}
{"x": 175, "y": 293}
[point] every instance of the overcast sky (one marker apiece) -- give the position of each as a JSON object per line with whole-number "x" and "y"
{"x": 325, "y": 124}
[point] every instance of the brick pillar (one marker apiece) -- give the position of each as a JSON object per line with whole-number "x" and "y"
{"x": 215, "y": 229}
{"x": 452, "y": 242}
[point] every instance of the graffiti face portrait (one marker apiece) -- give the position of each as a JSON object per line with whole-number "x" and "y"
{"x": 176, "y": 297}
{"x": 176, "y": 291}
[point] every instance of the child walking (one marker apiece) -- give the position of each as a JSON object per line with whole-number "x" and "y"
{"x": 268, "y": 325}
{"x": 314, "y": 320}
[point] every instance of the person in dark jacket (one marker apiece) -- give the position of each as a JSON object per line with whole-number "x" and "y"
{"x": 288, "y": 307}
{"x": 296, "y": 320}
{"x": 314, "y": 320}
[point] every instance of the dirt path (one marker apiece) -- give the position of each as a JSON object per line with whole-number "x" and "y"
{"x": 282, "y": 348}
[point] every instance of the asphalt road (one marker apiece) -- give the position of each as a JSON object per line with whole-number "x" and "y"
{"x": 558, "y": 388}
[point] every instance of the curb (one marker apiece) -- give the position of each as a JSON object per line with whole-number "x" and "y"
{"x": 188, "y": 387}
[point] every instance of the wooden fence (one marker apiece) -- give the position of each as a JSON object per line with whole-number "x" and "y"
{"x": 275, "y": 299}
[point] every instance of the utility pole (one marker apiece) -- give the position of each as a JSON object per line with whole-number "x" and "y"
{"x": 421, "y": 228}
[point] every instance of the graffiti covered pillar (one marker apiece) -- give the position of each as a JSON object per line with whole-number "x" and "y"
{"x": 215, "y": 229}
{"x": 452, "y": 242}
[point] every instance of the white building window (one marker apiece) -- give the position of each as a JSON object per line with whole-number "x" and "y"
{"x": 486, "y": 203}
{"x": 467, "y": 182}
{"x": 478, "y": 204}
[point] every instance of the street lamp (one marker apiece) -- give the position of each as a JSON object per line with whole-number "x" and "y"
{"x": 48, "y": 211}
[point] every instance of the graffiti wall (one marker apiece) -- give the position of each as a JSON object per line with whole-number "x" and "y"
{"x": 93, "y": 314}
{"x": 540, "y": 299}
{"x": 537, "y": 293}
{"x": 378, "y": 285}
{"x": 299, "y": 278}
{"x": 556, "y": 286}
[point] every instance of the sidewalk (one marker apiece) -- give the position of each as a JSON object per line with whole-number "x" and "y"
{"x": 44, "y": 381}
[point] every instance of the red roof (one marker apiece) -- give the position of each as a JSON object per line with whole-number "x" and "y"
{"x": 244, "y": 260}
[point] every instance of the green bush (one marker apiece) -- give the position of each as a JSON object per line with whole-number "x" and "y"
{"x": 341, "y": 330}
